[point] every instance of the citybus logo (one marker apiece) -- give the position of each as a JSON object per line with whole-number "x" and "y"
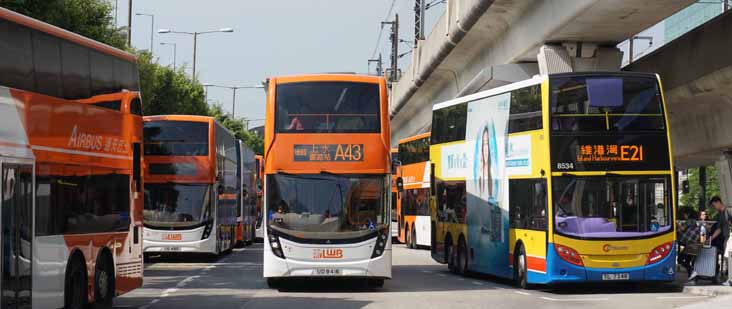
{"x": 609, "y": 247}
{"x": 327, "y": 254}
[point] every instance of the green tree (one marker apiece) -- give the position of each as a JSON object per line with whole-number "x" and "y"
{"x": 90, "y": 18}
{"x": 237, "y": 127}
{"x": 691, "y": 199}
{"x": 166, "y": 91}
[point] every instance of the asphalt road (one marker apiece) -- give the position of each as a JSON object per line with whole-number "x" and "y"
{"x": 235, "y": 281}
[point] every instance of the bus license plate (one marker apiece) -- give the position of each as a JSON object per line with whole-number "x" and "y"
{"x": 327, "y": 272}
{"x": 613, "y": 277}
{"x": 172, "y": 249}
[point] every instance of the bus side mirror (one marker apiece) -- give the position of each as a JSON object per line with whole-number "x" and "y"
{"x": 395, "y": 164}
{"x": 220, "y": 189}
{"x": 400, "y": 184}
{"x": 685, "y": 187}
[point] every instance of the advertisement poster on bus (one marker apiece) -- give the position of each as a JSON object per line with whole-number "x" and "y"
{"x": 487, "y": 182}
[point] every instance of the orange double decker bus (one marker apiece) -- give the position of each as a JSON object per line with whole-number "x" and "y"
{"x": 191, "y": 185}
{"x": 246, "y": 210}
{"x": 413, "y": 214}
{"x": 327, "y": 178}
{"x": 70, "y": 158}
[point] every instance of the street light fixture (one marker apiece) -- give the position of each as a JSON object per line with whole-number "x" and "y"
{"x": 195, "y": 40}
{"x": 175, "y": 47}
{"x": 152, "y": 28}
{"x": 234, "y": 89}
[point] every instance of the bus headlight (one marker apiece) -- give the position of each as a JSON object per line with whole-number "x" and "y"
{"x": 380, "y": 245}
{"x": 274, "y": 243}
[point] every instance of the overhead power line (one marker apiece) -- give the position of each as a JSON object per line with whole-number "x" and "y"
{"x": 381, "y": 30}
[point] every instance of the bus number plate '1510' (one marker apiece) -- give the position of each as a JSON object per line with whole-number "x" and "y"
{"x": 328, "y": 152}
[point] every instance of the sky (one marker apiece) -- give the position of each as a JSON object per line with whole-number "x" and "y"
{"x": 270, "y": 38}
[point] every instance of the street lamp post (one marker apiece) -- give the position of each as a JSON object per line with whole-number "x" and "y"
{"x": 233, "y": 89}
{"x": 175, "y": 47}
{"x": 152, "y": 28}
{"x": 195, "y": 40}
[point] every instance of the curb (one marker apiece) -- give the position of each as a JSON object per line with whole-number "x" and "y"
{"x": 711, "y": 291}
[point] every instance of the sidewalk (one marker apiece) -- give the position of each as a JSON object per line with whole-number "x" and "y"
{"x": 701, "y": 287}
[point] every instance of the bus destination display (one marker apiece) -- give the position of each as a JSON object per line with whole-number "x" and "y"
{"x": 328, "y": 152}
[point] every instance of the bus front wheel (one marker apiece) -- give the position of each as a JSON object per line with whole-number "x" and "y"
{"x": 104, "y": 288}
{"x": 462, "y": 257}
{"x": 520, "y": 268}
{"x": 414, "y": 238}
{"x": 75, "y": 293}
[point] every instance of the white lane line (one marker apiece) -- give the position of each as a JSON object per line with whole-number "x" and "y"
{"x": 442, "y": 275}
{"x": 461, "y": 279}
{"x": 522, "y": 293}
{"x": 152, "y": 302}
{"x": 185, "y": 281}
{"x": 477, "y": 283}
{"x": 680, "y": 297}
{"x": 574, "y": 299}
{"x": 426, "y": 271}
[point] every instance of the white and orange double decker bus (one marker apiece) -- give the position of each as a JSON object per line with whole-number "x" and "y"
{"x": 191, "y": 185}
{"x": 70, "y": 158}
{"x": 413, "y": 212}
{"x": 327, "y": 178}
{"x": 394, "y": 195}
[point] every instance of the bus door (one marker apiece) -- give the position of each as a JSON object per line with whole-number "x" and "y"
{"x": 17, "y": 236}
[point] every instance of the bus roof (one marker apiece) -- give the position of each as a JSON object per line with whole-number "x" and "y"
{"x": 64, "y": 34}
{"x": 415, "y": 137}
{"x": 191, "y": 118}
{"x": 326, "y": 77}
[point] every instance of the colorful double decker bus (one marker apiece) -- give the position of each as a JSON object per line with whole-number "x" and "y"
{"x": 246, "y": 211}
{"x": 413, "y": 215}
{"x": 191, "y": 185}
{"x": 327, "y": 178}
{"x": 71, "y": 185}
{"x": 560, "y": 178}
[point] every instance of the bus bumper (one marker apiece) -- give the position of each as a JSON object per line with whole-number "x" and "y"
{"x": 379, "y": 267}
{"x": 560, "y": 271}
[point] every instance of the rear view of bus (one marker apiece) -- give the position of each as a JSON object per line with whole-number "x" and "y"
{"x": 413, "y": 212}
{"x": 327, "y": 178}
{"x": 191, "y": 185}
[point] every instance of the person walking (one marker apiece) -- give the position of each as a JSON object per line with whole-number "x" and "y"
{"x": 724, "y": 220}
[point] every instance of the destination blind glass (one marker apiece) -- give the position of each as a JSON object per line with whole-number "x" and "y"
{"x": 607, "y": 122}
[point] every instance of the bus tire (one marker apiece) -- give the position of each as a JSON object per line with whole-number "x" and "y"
{"x": 75, "y": 285}
{"x": 462, "y": 257}
{"x": 376, "y": 282}
{"x": 414, "y": 238}
{"x": 407, "y": 241}
{"x": 520, "y": 268}
{"x": 104, "y": 284}
{"x": 450, "y": 255}
{"x": 274, "y": 283}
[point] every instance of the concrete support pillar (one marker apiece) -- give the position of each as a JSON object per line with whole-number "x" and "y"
{"x": 724, "y": 176}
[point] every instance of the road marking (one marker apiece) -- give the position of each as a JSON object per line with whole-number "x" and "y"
{"x": 442, "y": 275}
{"x": 152, "y": 302}
{"x": 426, "y": 271}
{"x": 477, "y": 283}
{"x": 680, "y": 297}
{"x": 185, "y": 281}
{"x": 461, "y": 279}
{"x": 574, "y": 299}
{"x": 522, "y": 293}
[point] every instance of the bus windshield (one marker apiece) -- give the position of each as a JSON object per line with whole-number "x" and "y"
{"x": 176, "y": 205}
{"x": 328, "y": 107}
{"x": 606, "y": 103}
{"x": 326, "y": 206}
{"x": 612, "y": 206}
{"x": 176, "y": 138}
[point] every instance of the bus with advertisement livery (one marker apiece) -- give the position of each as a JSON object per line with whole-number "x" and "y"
{"x": 192, "y": 188}
{"x": 557, "y": 179}
{"x": 413, "y": 215}
{"x": 71, "y": 185}
{"x": 327, "y": 178}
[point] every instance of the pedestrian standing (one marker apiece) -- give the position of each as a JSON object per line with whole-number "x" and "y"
{"x": 724, "y": 220}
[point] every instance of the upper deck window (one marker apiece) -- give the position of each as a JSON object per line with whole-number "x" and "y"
{"x": 606, "y": 103}
{"x": 176, "y": 138}
{"x": 328, "y": 107}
